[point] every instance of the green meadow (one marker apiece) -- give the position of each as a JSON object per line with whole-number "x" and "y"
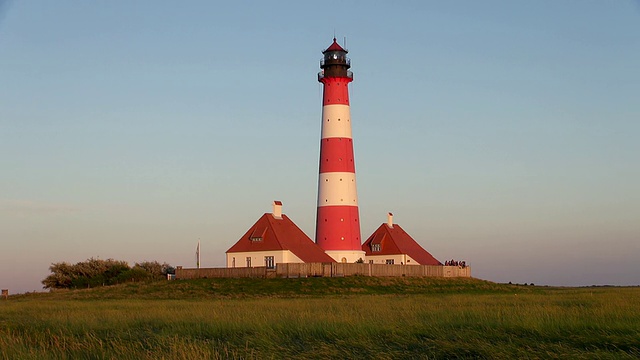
{"x": 356, "y": 317}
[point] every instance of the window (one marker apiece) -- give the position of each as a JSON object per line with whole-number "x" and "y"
{"x": 269, "y": 262}
{"x": 370, "y": 261}
{"x": 344, "y": 259}
{"x": 258, "y": 233}
{"x": 248, "y": 261}
{"x": 376, "y": 242}
{"x": 389, "y": 261}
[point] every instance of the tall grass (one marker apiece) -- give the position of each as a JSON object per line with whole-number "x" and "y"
{"x": 509, "y": 322}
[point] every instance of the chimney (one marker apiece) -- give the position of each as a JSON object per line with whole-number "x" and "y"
{"x": 390, "y": 220}
{"x": 277, "y": 209}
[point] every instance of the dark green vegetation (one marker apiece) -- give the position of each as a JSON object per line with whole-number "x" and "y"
{"x": 357, "y": 317}
{"x": 96, "y": 272}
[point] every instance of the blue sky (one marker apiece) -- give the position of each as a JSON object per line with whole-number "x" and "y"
{"x": 500, "y": 133}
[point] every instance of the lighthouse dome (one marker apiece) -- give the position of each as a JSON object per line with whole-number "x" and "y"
{"x": 335, "y": 47}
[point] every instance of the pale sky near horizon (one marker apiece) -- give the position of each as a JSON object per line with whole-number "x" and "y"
{"x": 501, "y": 133}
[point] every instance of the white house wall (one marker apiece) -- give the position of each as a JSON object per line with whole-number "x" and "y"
{"x": 397, "y": 259}
{"x": 257, "y": 258}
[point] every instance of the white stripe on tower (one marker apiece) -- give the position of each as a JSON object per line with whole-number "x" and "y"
{"x": 336, "y": 121}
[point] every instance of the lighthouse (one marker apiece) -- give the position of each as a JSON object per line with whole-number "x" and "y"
{"x": 337, "y": 221}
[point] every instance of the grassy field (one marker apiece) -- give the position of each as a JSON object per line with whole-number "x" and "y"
{"x": 355, "y": 317}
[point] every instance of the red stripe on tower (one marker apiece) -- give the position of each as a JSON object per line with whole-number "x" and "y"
{"x": 337, "y": 222}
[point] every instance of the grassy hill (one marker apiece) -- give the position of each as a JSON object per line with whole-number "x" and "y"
{"x": 356, "y": 317}
{"x": 301, "y": 287}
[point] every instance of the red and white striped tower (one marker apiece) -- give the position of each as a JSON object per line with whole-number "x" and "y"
{"x": 337, "y": 222}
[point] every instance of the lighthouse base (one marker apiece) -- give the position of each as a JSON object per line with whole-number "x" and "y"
{"x": 346, "y": 256}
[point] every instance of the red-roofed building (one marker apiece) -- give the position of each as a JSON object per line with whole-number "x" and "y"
{"x": 274, "y": 239}
{"x": 390, "y": 244}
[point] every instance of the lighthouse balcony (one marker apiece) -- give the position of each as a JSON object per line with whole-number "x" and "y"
{"x": 349, "y": 75}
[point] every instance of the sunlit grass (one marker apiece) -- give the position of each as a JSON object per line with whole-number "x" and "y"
{"x": 497, "y": 321}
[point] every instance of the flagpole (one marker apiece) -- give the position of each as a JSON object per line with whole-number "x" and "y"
{"x": 198, "y": 264}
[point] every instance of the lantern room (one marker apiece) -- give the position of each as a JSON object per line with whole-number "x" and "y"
{"x": 335, "y": 62}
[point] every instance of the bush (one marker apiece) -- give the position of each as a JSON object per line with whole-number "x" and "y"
{"x": 155, "y": 269}
{"x": 96, "y": 272}
{"x": 133, "y": 275}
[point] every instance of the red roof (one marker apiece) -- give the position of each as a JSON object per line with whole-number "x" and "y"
{"x": 334, "y": 47}
{"x": 394, "y": 241}
{"x": 269, "y": 233}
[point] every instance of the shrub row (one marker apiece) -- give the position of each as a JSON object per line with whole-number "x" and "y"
{"x": 96, "y": 272}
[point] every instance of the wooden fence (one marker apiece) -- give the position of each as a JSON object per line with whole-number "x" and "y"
{"x": 296, "y": 270}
